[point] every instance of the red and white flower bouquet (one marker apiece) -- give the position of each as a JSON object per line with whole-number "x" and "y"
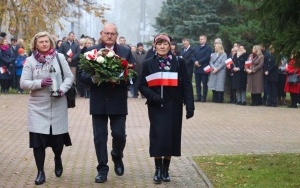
{"x": 106, "y": 66}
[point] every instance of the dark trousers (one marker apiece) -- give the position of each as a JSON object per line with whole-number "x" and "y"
{"x": 136, "y": 85}
{"x": 5, "y": 84}
{"x": 18, "y": 83}
{"x": 232, "y": 91}
{"x": 201, "y": 79}
{"x": 272, "y": 88}
{"x": 281, "y": 84}
{"x": 265, "y": 96}
{"x": 100, "y": 130}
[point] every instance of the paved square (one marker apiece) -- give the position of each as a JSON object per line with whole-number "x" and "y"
{"x": 215, "y": 129}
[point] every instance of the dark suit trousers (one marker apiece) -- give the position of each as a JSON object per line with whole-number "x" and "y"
{"x": 201, "y": 79}
{"x": 100, "y": 130}
{"x": 272, "y": 88}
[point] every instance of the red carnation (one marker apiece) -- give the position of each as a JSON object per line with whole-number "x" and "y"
{"x": 124, "y": 63}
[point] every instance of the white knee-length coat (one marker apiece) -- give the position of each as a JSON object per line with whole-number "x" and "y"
{"x": 45, "y": 111}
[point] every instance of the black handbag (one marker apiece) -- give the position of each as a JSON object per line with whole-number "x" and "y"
{"x": 72, "y": 92}
{"x": 293, "y": 78}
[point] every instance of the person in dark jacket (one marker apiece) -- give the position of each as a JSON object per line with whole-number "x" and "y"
{"x": 187, "y": 53}
{"x": 271, "y": 76}
{"x": 165, "y": 105}
{"x": 266, "y": 55}
{"x": 109, "y": 101}
{"x": 7, "y": 59}
{"x": 19, "y": 67}
{"x": 239, "y": 79}
{"x": 201, "y": 59}
{"x": 139, "y": 57}
{"x": 71, "y": 51}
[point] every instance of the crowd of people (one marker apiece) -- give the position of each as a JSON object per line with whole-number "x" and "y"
{"x": 212, "y": 69}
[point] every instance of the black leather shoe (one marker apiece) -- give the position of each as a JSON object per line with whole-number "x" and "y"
{"x": 119, "y": 166}
{"x": 58, "y": 167}
{"x": 40, "y": 178}
{"x": 101, "y": 178}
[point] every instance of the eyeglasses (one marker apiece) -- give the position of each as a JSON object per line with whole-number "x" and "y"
{"x": 107, "y": 33}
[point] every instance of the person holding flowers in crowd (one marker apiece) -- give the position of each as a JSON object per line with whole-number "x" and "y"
{"x": 166, "y": 85}
{"x": 47, "y": 115}
{"x": 104, "y": 69}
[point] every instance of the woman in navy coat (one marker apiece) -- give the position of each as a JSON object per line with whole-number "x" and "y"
{"x": 165, "y": 105}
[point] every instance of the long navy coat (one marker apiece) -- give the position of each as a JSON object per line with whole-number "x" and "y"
{"x": 166, "y": 121}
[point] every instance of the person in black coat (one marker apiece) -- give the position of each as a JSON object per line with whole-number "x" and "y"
{"x": 7, "y": 59}
{"x": 271, "y": 76}
{"x": 71, "y": 51}
{"x": 201, "y": 59}
{"x": 187, "y": 54}
{"x": 239, "y": 78}
{"x": 108, "y": 101}
{"x": 165, "y": 105}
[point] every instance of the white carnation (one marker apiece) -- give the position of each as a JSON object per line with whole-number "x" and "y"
{"x": 110, "y": 54}
{"x": 100, "y": 59}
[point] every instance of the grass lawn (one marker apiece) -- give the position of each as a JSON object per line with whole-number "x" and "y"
{"x": 259, "y": 171}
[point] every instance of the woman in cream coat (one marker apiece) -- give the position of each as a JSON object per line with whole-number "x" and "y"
{"x": 47, "y": 116}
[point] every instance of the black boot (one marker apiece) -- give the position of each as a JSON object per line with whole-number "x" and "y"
{"x": 157, "y": 178}
{"x": 58, "y": 167}
{"x": 293, "y": 100}
{"x": 214, "y": 96}
{"x": 165, "y": 171}
{"x": 40, "y": 178}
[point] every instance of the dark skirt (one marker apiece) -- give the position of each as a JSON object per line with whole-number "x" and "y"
{"x": 48, "y": 140}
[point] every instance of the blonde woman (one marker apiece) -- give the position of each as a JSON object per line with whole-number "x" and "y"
{"x": 217, "y": 75}
{"x": 47, "y": 116}
{"x": 255, "y": 84}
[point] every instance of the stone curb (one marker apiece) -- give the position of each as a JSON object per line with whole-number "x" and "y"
{"x": 201, "y": 173}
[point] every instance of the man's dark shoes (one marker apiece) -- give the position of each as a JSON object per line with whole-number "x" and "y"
{"x": 58, "y": 167}
{"x": 198, "y": 100}
{"x": 101, "y": 178}
{"x": 119, "y": 166}
{"x": 40, "y": 178}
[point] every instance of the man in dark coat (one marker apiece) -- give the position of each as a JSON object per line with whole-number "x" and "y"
{"x": 201, "y": 59}
{"x": 108, "y": 100}
{"x": 71, "y": 51}
{"x": 187, "y": 54}
{"x": 139, "y": 57}
{"x": 267, "y": 55}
